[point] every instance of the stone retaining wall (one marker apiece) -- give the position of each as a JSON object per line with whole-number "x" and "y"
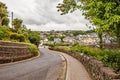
{"x": 10, "y": 52}
{"x": 12, "y": 44}
{"x": 96, "y": 69}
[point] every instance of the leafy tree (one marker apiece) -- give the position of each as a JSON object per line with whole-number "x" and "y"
{"x": 34, "y": 37}
{"x": 17, "y": 23}
{"x": 61, "y": 37}
{"x": 3, "y": 14}
{"x": 4, "y": 32}
{"x": 50, "y": 37}
{"x": 5, "y": 21}
{"x": 24, "y": 28}
{"x": 105, "y": 14}
{"x": 67, "y": 6}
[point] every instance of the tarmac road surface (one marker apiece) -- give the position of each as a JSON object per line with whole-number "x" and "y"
{"x": 45, "y": 67}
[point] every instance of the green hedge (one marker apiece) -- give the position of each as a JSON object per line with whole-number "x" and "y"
{"x": 110, "y": 57}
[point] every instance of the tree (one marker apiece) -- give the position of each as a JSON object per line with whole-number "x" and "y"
{"x": 4, "y": 32}
{"x": 3, "y": 14}
{"x": 34, "y": 37}
{"x": 5, "y": 21}
{"x": 67, "y": 6}
{"x": 105, "y": 14}
{"x": 17, "y": 23}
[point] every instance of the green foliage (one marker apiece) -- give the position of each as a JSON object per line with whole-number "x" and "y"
{"x": 4, "y": 32}
{"x": 67, "y": 6}
{"x": 21, "y": 37}
{"x": 19, "y": 33}
{"x": 33, "y": 49}
{"x": 110, "y": 57}
{"x": 5, "y": 21}
{"x": 61, "y": 37}
{"x": 18, "y": 37}
{"x": 50, "y": 38}
{"x": 51, "y": 45}
{"x": 75, "y": 33}
{"x": 3, "y": 13}
{"x": 63, "y": 47}
{"x": 34, "y": 37}
{"x": 17, "y": 23}
{"x": 105, "y": 14}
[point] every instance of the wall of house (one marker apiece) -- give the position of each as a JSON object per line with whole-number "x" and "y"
{"x": 96, "y": 69}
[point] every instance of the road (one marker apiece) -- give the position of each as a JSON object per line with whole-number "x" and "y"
{"x": 45, "y": 67}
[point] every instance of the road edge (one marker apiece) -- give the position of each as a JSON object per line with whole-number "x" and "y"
{"x": 63, "y": 70}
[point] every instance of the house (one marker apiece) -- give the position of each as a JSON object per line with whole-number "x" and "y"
{"x": 45, "y": 41}
{"x": 89, "y": 41}
{"x": 69, "y": 40}
{"x": 57, "y": 40}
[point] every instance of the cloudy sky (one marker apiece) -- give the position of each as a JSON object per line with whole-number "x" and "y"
{"x": 42, "y": 15}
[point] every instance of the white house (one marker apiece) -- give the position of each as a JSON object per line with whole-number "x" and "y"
{"x": 57, "y": 40}
{"x": 45, "y": 41}
{"x": 70, "y": 40}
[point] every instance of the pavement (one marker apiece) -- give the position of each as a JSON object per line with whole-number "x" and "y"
{"x": 45, "y": 67}
{"x": 75, "y": 69}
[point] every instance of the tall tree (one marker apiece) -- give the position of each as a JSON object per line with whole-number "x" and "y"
{"x": 17, "y": 23}
{"x": 105, "y": 14}
{"x": 5, "y": 21}
{"x": 3, "y": 14}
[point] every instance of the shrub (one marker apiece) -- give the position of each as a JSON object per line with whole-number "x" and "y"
{"x": 110, "y": 57}
{"x": 4, "y": 32}
{"x": 21, "y": 37}
{"x": 34, "y": 38}
{"x": 33, "y": 49}
{"x": 18, "y": 37}
{"x": 14, "y": 36}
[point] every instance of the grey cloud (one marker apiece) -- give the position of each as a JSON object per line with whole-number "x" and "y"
{"x": 40, "y": 13}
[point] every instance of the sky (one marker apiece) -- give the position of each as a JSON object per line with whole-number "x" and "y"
{"x": 42, "y": 15}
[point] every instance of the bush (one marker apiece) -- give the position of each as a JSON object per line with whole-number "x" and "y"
{"x": 18, "y": 37}
{"x": 21, "y": 37}
{"x": 33, "y": 49}
{"x": 34, "y": 38}
{"x": 4, "y": 32}
{"x": 110, "y": 57}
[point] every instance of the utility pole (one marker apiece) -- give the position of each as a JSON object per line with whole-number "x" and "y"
{"x": 12, "y": 19}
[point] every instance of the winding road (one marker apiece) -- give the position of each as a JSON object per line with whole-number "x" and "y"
{"x": 45, "y": 67}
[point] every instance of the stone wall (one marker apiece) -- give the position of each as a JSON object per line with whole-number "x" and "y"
{"x": 10, "y": 52}
{"x": 96, "y": 69}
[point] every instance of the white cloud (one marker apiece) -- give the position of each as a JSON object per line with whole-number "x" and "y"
{"x": 60, "y": 27}
{"x": 43, "y": 15}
